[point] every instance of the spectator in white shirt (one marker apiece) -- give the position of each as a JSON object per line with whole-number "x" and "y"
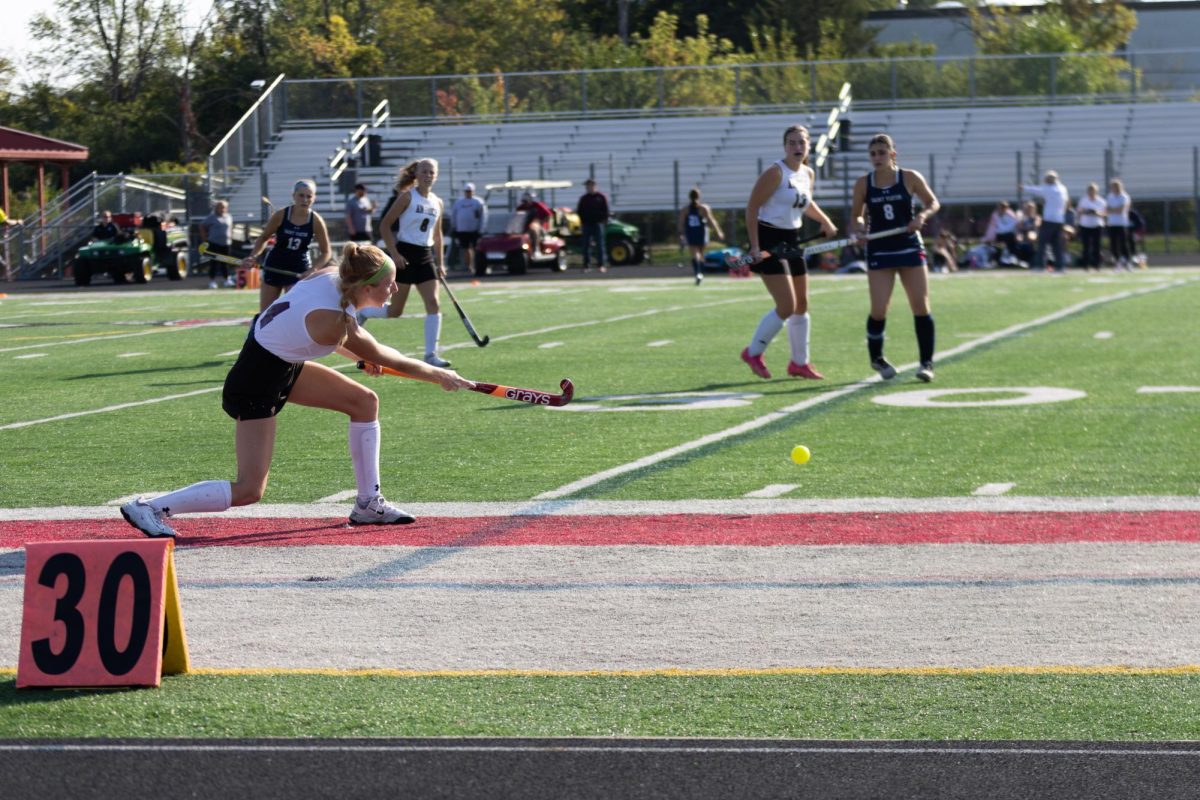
{"x": 1002, "y": 228}
{"x": 1090, "y": 212}
{"x": 1054, "y": 215}
{"x": 468, "y": 218}
{"x": 1117, "y": 203}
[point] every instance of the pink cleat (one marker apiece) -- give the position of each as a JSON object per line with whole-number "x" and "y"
{"x": 756, "y": 364}
{"x": 804, "y": 371}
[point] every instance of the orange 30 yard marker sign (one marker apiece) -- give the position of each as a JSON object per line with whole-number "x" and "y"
{"x": 100, "y": 613}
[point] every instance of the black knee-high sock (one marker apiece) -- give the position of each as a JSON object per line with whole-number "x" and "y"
{"x": 875, "y": 337}
{"x": 697, "y": 266}
{"x": 924, "y": 326}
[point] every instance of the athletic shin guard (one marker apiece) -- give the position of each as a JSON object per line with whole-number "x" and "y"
{"x": 875, "y": 337}
{"x": 768, "y": 327}
{"x": 925, "y": 337}
{"x": 364, "y": 453}
{"x": 433, "y": 332}
{"x": 798, "y": 332}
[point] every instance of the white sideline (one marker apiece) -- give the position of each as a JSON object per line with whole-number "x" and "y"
{"x": 776, "y": 416}
{"x": 740, "y": 506}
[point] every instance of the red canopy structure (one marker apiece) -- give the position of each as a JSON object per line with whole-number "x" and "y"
{"x": 18, "y": 146}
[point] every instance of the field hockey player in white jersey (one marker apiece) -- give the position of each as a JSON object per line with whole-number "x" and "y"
{"x": 779, "y": 202}
{"x": 885, "y": 196}
{"x": 417, "y": 249}
{"x": 277, "y": 365}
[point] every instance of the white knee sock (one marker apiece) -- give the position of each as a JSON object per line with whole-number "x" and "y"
{"x": 797, "y": 325}
{"x": 768, "y": 326}
{"x": 371, "y": 312}
{"x": 433, "y": 331}
{"x": 203, "y": 496}
{"x": 364, "y": 453}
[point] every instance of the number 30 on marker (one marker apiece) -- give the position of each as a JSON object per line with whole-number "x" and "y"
{"x": 100, "y": 613}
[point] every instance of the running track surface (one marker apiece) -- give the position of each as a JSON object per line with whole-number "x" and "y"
{"x": 673, "y": 591}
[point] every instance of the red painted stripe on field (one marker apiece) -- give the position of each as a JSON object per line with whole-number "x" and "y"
{"x": 675, "y": 529}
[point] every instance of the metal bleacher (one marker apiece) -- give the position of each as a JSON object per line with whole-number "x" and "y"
{"x": 970, "y": 154}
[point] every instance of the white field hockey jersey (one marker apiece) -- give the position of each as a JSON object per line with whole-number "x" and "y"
{"x": 420, "y": 219}
{"x": 785, "y": 207}
{"x": 281, "y": 328}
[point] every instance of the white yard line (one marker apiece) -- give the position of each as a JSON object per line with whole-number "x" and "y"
{"x": 114, "y": 336}
{"x": 106, "y": 409}
{"x": 993, "y": 489}
{"x": 772, "y": 490}
{"x": 775, "y": 416}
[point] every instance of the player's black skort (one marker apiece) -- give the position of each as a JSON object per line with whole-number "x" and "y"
{"x": 771, "y": 239}
{"x": 419, "y": 266}
{"x": 259, "y": 384}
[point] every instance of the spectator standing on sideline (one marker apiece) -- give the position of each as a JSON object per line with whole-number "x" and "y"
{"x": 780, "y": 200}
{"x": 359, "y": 209}
{"x": 105, "y": 228}
{"x": 468, "y": 217}
{"x": 593, "y": 214}
{"x": 1090, "y": 212}
{"x": 216, "y": 231}
{"x": 1118, "y": 204}
{"x": 1054, "y": 219}
{"x": 694, "y": 221}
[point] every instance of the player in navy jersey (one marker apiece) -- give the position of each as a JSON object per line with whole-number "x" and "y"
{"x": 294, "y": 228}
{"x": 780, "y": 200}
{"x": 695, "y": 220}
{"x": 886, "y": 196}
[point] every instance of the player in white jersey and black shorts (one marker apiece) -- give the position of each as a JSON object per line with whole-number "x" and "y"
{"x": 886, "y": 196}
{"x": 417, "y": 247}
{"x": 277, "y": 365}
{"x": 779, "y": 202}
{"x": 294, "y": 228}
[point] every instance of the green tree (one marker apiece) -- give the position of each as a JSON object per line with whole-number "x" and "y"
{"x": 1061, "y": 26}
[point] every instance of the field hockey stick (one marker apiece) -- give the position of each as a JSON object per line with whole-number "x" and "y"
{"x": 237, "y": 262}
{"x": 462, "y": 314}
{"x": 531, "y": 396}
{"x": 735, "y": 262}
{"x": 837, "y": 244}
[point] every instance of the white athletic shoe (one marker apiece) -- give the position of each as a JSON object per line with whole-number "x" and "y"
{"x": 146, "y": 518}
{"x": 230, "y": 283}
{"x": 212, "y": 284}
{"x": 379, "y": 512}
{"x": 925, "y": 373}
{"x": 434, "y": 360}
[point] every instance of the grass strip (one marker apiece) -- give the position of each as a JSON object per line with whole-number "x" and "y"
{"x": 1152, "y": 706}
